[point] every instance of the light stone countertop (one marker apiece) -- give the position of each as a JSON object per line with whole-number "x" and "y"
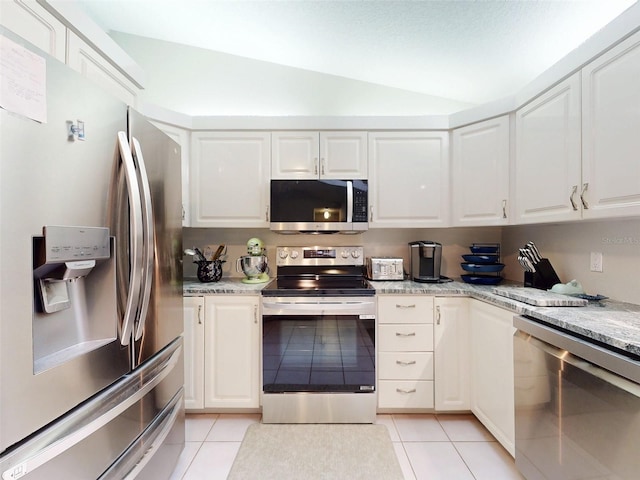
{"x": 611, "y": 322}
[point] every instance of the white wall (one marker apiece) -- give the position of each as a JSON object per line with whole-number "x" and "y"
{"x": 200, "y": 82}
{"x": 568, "y": 247}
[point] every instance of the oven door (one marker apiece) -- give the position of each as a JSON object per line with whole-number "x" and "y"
{"x": 318, "y": 344}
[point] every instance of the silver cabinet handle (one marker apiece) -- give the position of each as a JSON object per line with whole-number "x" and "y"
{"x": 255, "y": 314}
{"x": 266, "y": 214}
{"x": 405, "y": 306}
{"x": 322, "y": 166}
{"x": 371, "y": 213}
{"x": 402, "y": 390}
{"x": 315, "y": 166}
{"x": 574, "y": 190}
{"x": 504, "y": 209}
{"x": 404, "y": 364}
{"x": 438, "y": 315}
{"x": 400, "y": 334}
{"x": 200, "y": 314}
{"x": 585, "y": 204}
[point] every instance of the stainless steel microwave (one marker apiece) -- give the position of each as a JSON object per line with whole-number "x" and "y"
{"x": 319, "y": 206}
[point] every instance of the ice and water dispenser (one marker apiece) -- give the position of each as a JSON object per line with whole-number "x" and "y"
{"x": 74, "y": 305}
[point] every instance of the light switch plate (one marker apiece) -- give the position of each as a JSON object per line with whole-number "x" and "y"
{"x": 596, "y": 262}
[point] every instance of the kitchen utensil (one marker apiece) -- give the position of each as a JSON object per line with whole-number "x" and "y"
{"x": 477, "y": 249}
{"x": 196, "y": 254}
{"x": 481, "y": 258}
{"x": 532, "y": 247}
{"x": 481, "y": 279}
{"x": 483, "y": 267}
{"x": 219, "y": 252}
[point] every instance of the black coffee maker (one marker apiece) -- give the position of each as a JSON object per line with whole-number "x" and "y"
{"x": 426, "y": 258}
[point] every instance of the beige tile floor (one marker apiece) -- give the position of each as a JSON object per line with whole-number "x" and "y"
{"x": 434, "y": 447}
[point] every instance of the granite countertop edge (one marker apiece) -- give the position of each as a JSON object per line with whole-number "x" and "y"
{"x": 611, "y": 322}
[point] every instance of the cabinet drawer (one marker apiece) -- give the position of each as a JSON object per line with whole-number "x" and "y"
{"x": 405, "y": 338}
{"x": 405, "y": 366}
{"x": 405, "y": 309}
{"x": 405, "y": 394}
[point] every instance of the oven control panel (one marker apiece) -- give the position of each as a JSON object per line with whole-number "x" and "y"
{"x": 303, "y": 256}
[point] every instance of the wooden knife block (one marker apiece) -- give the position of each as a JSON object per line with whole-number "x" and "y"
{"x": 543, "y": 278}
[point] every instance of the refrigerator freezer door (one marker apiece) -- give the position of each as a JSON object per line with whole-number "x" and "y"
{"x": 119, "y": 430}
{"x": 48, "y": 179}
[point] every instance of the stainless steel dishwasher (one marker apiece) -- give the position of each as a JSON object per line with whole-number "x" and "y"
{"x": 577, "y": 406}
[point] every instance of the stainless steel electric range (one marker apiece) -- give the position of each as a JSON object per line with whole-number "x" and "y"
{"x": 318, "y": 363}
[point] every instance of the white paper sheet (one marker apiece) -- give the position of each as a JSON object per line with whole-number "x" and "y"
{"x": 23, "y": 81}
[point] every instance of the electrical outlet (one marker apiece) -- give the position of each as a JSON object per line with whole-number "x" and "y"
{"x": 596, "y": 262}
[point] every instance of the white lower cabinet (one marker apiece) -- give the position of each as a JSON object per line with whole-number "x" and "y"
{"x": 451, "y": 351}
{"x": 492, "y": 397}
{"x": 405, "y": 352}
{"x": 193, "y": 353}
{"x": 222, "y": 352}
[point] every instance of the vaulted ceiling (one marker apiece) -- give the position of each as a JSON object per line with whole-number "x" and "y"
{"x": 470, "y": 51}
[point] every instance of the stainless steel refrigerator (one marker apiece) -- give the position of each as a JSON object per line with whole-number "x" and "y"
{"x": 91, "y": 372}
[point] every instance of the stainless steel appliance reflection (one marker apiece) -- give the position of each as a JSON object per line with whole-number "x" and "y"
{"x": 577, "y": 406}
{"x": 91, "y": 363}
{"x": 319, "y": 338}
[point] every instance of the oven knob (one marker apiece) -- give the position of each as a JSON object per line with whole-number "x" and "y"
{"x": 294, "y": 254}
{"x": 345, "y": 254}
{"x": 283, "y": 254}
{"x": 355, "y": 253}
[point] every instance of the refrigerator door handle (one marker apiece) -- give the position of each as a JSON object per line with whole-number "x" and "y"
{"x": 135, "y": 239}
{"x": 148, "y": 238}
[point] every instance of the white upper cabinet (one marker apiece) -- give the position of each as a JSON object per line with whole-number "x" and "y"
{"x": 408, "y": 179}
{"x": 547, "y": 165}
{"x": 229, "y": 179}
{"x": 480, "y": 167}
{"x": 84, "y": 59}
{"x": 32, "y": 22}
{"x": 311, "y": 155}
{"x": 611, "y": 133}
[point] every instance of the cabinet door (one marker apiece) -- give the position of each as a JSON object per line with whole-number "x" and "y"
{"x": 232, "y": 352}
{"x": 295, "y": 155}
{"x": 611, "y": 127}
{"x": 84, "y": 59}
{"x": 193, "y": 353}
{"x": 492, "y": 397}
{"x": 547, "y": 166}
{"x": 229, "y": 179}
{"x": 182, "y": 138}
{"x": 451, "y": 350}
{"x": 343, "y": 155}
{"x": 409, "y": 179}
{"x": 481, "y": 173}
{"x": 32, "y": 22}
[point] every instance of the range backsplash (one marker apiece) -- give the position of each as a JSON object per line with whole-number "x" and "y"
{"x": 568, "y": 247}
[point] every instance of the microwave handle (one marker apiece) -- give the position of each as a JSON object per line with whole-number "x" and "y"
{"x": 349, "y": 201}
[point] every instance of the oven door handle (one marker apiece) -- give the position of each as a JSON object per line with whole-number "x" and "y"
{"x": 287, "y": 308}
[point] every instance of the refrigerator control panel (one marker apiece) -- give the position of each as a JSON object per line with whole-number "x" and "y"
{"x": 69, "y": 244}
